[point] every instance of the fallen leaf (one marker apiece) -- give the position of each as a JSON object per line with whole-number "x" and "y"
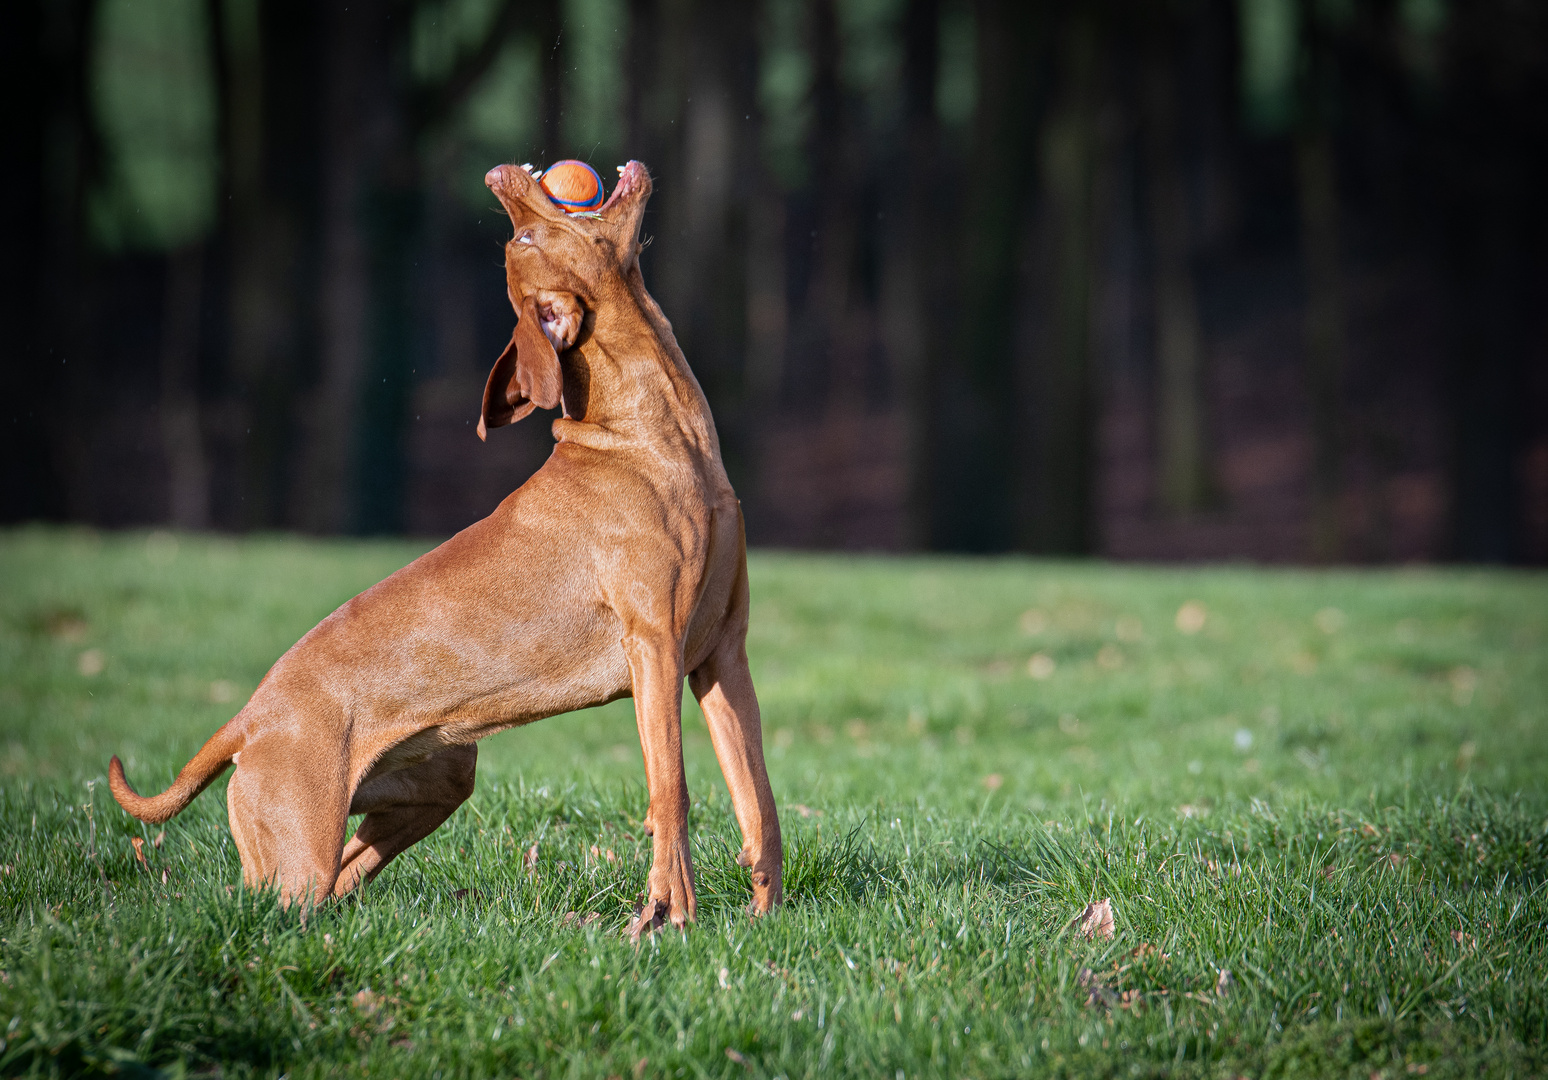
{"x": 738, "y": 1058}
{"x": 1096, "y": 921}
{"x": 1191, "y": 617}
{"x": 529, "y": 860}
{"x": 139, "y": 851}
{"x": 1224, "y": 982}
{"x": 367, "y": 1001}
{"x": 162, "y": 835}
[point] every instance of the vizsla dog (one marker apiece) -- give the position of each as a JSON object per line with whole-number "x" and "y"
{"x": 617, "y": 569}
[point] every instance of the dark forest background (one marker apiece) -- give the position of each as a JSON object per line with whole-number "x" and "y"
{"x": 1164, "y": 279}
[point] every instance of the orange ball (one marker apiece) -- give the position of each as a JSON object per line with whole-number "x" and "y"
{"x": 573, "y": 186}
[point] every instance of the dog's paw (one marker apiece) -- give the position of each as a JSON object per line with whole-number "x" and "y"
{"x": 670, "y": 896}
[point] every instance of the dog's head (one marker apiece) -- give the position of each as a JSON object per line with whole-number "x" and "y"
{"x": 557, "y": 266}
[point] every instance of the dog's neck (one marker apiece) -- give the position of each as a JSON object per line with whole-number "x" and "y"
{"x": 629, "y": 380}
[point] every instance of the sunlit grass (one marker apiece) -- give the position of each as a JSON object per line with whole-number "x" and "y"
{"x": 1332, "y": 789}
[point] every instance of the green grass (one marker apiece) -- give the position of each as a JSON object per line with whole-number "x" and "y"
{"x": 1335, "y": 791}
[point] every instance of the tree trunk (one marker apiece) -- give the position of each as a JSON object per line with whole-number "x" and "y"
{"x": 261, "y": 241}
{"x": 1317, "y": 191}
{"x": 910, "y": 292}
{"x": 973, "y": 507}
{"x": 549, "y": 29}
{"x": 28, "y": 378}
{"x": 356, "y": 84}
{"x": 1054, "y": 374}
{"x": 182, "y": 436}
{"x": 1182, "y": 468}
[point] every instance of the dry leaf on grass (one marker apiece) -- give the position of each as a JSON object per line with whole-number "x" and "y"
{"x": 1096, "y": 921}
{"x": 575, "y": 918}
{"x": 529, "y": 860}
{"x": 737, "y": 1057}
{"x": 367, "y": 1001}
{"x": 139, "y": 851}
{"x": 1224, "y": 983}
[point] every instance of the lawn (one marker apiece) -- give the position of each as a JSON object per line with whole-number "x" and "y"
{"x": 1317, "y": 802}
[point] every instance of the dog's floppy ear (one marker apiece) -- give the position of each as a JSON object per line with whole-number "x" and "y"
{"x": 526, "y": 376}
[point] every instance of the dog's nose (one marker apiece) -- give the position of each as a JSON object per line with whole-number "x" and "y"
{"x": 495, "y": 176}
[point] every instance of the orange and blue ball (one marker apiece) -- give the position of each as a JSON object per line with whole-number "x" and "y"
{"x": 573, "y": 186}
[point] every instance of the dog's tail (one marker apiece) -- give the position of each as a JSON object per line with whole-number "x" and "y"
{"x": 211, "y": 760}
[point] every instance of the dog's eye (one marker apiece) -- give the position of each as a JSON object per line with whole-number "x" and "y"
{"x": 525, "y": 237}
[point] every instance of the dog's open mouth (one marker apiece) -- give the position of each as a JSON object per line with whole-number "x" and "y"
{"x": 632, "y": 179}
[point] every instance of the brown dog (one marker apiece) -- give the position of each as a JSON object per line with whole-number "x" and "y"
{"x": 617, "y": 569}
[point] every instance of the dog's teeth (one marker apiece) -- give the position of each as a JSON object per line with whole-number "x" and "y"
{"x": 527, "y": 167}
{"x": 620, "y": 170}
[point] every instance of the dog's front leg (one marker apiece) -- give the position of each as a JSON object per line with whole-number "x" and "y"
{"x": 656, "y": 672}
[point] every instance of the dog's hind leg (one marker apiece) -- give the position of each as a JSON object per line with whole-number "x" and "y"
{"x": 287, "y": 810}
{"x": 723, "y": 684}
{"x": 402, "y": 808}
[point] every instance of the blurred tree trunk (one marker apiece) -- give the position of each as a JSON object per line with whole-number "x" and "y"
{"x": 915, "y": 277}
{"x": 820, "y": 352}
{"x": 1326, "y": 345}
{"x": 1054, "y": 374}
{"x": 1493, "y": 144}
{"x": 973, "y": 508}
{"x": 548, "y": 28}
{"x": 767, "y": 302}
{"x": 182, "y": 435}
{"x": 258, "y": 69}
{"x": 642, "y": 59}
{"x": 703, "y": 194}
{"x": 72, "y": 163}
{"x": 357, "y": 87}
{"x": 1183, "y": 471}
{"x": 373, "y": 119}
{"x": 31, "y": 96}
